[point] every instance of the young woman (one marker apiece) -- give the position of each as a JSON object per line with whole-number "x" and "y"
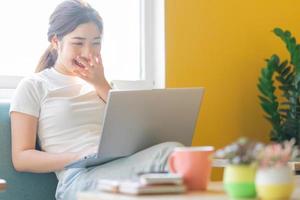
{"x": 61, "y": 106}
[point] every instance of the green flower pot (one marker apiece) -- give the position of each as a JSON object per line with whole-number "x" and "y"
{"x": 239, "y": 181}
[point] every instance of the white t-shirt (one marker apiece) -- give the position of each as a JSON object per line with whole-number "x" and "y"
{"x": 69, "y": 112}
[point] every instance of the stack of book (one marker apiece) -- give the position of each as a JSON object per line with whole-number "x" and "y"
{"x": 145, "y": 184}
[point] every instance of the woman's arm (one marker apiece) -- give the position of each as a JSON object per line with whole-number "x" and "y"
{"x": 103, "y": 90}
{"x": 24, "y": 155}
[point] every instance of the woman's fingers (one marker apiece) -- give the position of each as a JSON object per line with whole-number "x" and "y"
{"x": 95, "y": 60}
{"x": 99, "y": 59}
{"x": 82, "y": 70}
{"x": 92, "y": 61}
{"x": 92, "y": 70}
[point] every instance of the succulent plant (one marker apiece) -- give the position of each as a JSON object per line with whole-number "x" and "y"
{"x": 277, "y": 155}
{"x": 241, "y": 152}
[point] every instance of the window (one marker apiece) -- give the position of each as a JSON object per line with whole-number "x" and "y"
{"x": 133, "y": 42}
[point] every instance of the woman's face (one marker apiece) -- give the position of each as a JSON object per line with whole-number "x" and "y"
{"x": 84, "y": 41}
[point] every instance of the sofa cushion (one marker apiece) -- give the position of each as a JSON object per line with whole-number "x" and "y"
{"x": 20, "y": 186}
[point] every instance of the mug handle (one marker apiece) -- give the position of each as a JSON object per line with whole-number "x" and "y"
{"x": 171, "y": 163}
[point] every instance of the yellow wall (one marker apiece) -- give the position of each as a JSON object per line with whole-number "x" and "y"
{"x": 221, "y": 45}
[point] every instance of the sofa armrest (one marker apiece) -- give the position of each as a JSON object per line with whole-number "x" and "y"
{"x": 25, "y": 186}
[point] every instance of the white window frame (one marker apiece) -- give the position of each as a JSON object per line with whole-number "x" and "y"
{"x": 152, "y": 55}
{"x": 153, "y": 37}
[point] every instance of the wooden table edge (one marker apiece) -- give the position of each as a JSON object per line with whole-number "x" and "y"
{"x": 2, "y": 184}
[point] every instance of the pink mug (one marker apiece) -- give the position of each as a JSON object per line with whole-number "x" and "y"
{"x": 194, "y": 164}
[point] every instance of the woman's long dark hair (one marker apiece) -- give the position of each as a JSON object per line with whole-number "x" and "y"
{"x": 65, "y": 18}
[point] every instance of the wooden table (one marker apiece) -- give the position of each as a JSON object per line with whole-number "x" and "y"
{"x": 2, "y": 184}
{"x": 215, "y": 192}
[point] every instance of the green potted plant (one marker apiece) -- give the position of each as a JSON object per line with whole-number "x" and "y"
{"x": 279, "y": 87}
{"x": 239, "y": 174}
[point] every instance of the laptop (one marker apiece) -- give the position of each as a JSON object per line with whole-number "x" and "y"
{"x": 137, "y": 119}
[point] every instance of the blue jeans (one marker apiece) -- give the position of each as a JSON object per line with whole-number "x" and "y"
{"x": 151, "y": 159}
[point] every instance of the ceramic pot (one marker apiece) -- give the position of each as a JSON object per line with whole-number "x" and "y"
{"x": 239, "y": 181}
{"x": 275, "y": 183}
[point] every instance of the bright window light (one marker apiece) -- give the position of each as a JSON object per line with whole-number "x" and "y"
{"x": 24, "y": 36}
